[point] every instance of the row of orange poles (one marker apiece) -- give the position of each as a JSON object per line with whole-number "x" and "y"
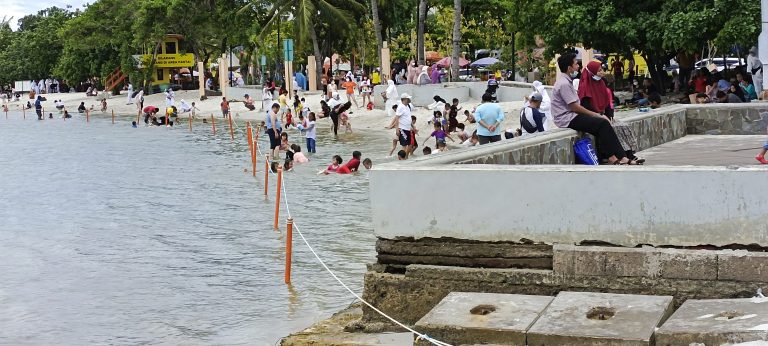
{"x": 253, "y": 146}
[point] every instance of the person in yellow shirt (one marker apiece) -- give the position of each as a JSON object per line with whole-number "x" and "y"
{"x": 376, "y": 77}
{"x": 283, "y": 99}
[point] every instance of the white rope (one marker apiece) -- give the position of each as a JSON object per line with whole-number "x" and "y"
{"x": 420, "y": 336}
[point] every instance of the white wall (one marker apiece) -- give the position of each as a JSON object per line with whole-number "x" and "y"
{"x": 626, "y": 206}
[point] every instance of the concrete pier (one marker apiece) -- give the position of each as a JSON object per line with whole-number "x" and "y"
{"x": 716, "y": 322}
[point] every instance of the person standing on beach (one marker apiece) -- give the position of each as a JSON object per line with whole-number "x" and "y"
{"x": 350, "y": 85}
{"x": 169, "y": 97}
{"x": 266, "y": 97}
{"x": 489, "y": 117}
{"x": 128, "y": 99}
{"x": 390, "y": 97}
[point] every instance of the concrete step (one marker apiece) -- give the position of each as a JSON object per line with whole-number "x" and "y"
{"x": 716, "y": 322}
{"x": 482, "y": 318}
{"x": 585, "y": 319}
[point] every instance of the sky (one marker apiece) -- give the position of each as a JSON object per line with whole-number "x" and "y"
{"x": 21, "y": 8}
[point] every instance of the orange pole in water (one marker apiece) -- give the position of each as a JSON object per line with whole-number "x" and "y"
{"x": 113, "y": 117}
{"x": 249, "y": 138}
{"x": 277, "y": 198}
{"x": 288, "y": 251}
{"x": 42, "y": 111}
{"x": 249, "y": 135}
{"x": 231, "y": 130}
{"x": 266, "y": 174}
{"x": 190, "y": 121}
{"x": 213, "y": 124}
{"x": 24, "y": 111}
{"x": 87, "y": 115}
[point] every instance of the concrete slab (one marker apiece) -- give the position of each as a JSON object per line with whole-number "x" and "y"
{"x": 716, "y": 322}
{"x": 583, "y": 318}
{"x": 482, "y": 318}
{"x": 706, "y": 150}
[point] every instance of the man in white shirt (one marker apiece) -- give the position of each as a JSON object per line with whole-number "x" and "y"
{"x": 403, "y": 122}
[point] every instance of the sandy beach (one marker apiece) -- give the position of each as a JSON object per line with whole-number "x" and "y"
{"x": 368, "y": 122}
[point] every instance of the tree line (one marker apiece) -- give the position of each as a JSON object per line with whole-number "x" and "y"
{"x": 77, "y": 44}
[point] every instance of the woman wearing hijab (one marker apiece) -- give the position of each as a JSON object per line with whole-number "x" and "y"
{"x": 597, "y": 97}
{"x": 391, "y": 96}
{"x": 423, "y": 78}
{"x": 435, "y": 74}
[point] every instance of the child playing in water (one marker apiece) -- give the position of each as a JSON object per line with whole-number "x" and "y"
{"x": 336, "y": 167}
{"x": 298, "y": 156}
{"x": 288, "y": 118}
{"x": 345, "y": 122}
{"x": 104, "y": 105}
{"x": 284, "y": 145}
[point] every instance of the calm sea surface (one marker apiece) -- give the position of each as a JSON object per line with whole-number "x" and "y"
{"x": 122, "y": 236}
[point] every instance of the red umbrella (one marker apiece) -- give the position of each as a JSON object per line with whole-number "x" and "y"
{"x": 447, "y": 62}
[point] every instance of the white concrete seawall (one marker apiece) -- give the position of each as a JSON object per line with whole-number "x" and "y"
{"x": 684, "y": 206}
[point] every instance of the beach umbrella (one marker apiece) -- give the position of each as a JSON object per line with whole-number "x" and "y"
{"x": 432, "y": 56}
{"x": 447, "y": 62}
{"x": 485, "y": 61}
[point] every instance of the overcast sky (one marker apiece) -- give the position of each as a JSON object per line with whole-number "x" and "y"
{"x": 21, "y": 8}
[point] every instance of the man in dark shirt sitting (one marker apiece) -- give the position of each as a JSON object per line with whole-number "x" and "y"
{"x": 531, "y": 118}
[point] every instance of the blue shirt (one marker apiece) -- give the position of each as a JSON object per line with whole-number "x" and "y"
{"x": 277, "y": 121}
{"x": 489, "y": 113}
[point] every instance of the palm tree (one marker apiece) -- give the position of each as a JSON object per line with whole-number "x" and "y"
{"x": 307, "y": 15}
{"x": 420, "y": 32}
{"x": 456, "y": 38}
{"x": 377, "y": 29}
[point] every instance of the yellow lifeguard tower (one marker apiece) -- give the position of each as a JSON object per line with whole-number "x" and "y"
{"x": 169, "y": 60}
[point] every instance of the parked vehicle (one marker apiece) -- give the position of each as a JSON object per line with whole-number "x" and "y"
{"x": 732, "y": 63}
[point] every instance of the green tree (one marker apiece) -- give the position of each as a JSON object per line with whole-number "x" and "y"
{"x": 32, "y": 51}
{"x": 308, "y": 15}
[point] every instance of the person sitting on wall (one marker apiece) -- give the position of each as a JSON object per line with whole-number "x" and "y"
{"x": 531, "y": 119}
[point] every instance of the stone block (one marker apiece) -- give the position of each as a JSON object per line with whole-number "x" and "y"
{"x": 742, "y": 266}
{"x": 578, "y": 260}
{"x": 634, "y": 262}
{"x": 581, "y": 318}
{"x": 482, "y": 318}
{"x": 716, "y": 322}
{"x": 684, "y": 264}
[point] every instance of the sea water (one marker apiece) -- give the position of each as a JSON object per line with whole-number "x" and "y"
{"x": 117, "y": 235}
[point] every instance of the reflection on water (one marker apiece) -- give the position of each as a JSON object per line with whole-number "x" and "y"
{"x": 115, "y": 235}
